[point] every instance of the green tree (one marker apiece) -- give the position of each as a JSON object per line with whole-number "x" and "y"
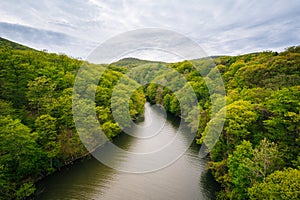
{"x": 103, "y": 114}
{"x": 240, "y": 118}
{"x": 239, "y": 123}
{"x": 247, "y": 166}
{"x": 40, "y": 94}
{"x": 167, "y": 102}
{"x": 20, "y": 156}
{"x": 175, "y": 106}
{"x": 6, "y": 188}
{"x": 283, "y": 185}
{"x": 45, "y": 126}
{"x": 266, "y": 158}
{"x": 284, "y": 123}
{"x": 110, "y": 129}
{"x": 239, "y": 173}
{"x": 62, "y": 111}
{"x": 26, "y": 190}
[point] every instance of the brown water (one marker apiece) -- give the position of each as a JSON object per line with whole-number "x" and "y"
{"x": 185, "y": 179}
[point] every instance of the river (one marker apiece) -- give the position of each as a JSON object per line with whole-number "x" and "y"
{"x": 87, "y": 179}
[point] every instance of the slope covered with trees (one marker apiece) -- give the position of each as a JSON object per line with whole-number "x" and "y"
{"x": 37, "y": 131}
{"x": 259, "y": 146}
{"x": 256, "y": 156}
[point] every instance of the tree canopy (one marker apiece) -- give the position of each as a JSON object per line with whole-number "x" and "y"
{"x": 256, "y": 155}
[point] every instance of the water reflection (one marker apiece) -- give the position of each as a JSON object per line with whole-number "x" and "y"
{"x": 88, "y": 179}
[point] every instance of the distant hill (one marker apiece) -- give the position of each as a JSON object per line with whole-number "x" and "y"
{"x": 132, "y": 62}
{"x": 13, "y": 45}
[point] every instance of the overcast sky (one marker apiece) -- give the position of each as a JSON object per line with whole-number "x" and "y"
{"x": 220, "y": 27}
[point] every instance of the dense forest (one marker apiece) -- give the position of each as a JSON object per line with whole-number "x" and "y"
{"x": 256, "y": 156}
{"x": 37, "y": 131}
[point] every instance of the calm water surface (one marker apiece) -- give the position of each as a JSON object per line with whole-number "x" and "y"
{"x": 185, "y": 179}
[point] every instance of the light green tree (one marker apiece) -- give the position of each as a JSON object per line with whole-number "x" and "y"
{"x": 40, "y": 94}
{"x": 281, "y": 185}
{"x": 238, "y": 170}
{"x": 45, "y": 126}
{"x": 266, "y": 159}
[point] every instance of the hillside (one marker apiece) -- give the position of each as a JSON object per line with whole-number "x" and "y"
{"x": 258, "y": 148}
{"x": 259, "y": 142}
{"x": 9, "y": 44}
{"x": 37, "y": 131}
{"x": 132, "y": 62}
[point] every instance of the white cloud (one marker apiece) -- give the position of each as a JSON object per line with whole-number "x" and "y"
{"x": 220, "y": 27}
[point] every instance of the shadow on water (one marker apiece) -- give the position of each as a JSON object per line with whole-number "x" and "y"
{"x": 73, "y": 178}
{"x": 209, "y": 186}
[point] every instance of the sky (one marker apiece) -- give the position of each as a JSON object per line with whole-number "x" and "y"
{"x": 77, "y": 27}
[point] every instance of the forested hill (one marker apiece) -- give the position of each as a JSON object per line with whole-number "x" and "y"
{"x": 13, "y": 45}
{"x": 256, "y": 156}
{"x": 37, "y": 131}
{"x": 133, "y": 62}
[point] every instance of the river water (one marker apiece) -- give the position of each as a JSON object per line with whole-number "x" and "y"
{"x": 87, "y": 179}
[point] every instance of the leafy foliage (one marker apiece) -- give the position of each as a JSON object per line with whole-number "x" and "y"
{"x": 261, "y": 127}
{"x": 278, "y": 185}
{"x": 261, "y": 131}
{"x": 253, "y": 158}
{"x": 37, "y": 131}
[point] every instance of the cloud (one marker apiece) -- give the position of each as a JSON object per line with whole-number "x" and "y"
{"x": 44, "y": 39}
{"x": 220, "y": 27}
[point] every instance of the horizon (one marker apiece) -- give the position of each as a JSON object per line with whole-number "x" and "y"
{"x": 220, "y": 28}
{"x": 140, "y": 58}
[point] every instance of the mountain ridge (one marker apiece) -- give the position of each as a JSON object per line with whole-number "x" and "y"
{"x": 14, "y": 45}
